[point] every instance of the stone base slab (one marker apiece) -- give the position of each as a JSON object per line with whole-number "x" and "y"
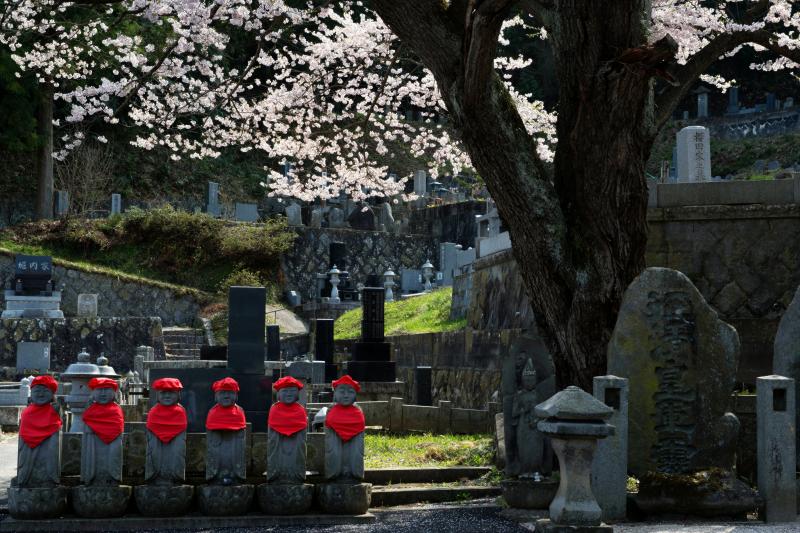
{"x": 285, "y": 499}
{"x": 546, "y": 526}
{"x": 194, "y": 521}
{"x": 27, "y": 503}
{"x": 163, "y": 500}
{"x": 344, "y": 498}
{"x": 101, "y": 502}
{"x": 225, "y": 500}
{"x": 528, "y": 494}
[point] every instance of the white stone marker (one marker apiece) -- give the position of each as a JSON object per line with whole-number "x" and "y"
{"x": 775, "y": 422}
{"x": 420, "y": 182}
{"x": 694, "y": 155}
{"x": 610, "y": 467}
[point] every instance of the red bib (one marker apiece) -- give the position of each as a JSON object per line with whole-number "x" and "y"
{"x": 347, "y": 421}
{"x": 106, "y": 420}
{"x": 287, "y": 419}
{"x": 166, "y": 422}
{"x": 37, "y": 423}
{"x": 227, "y": 418}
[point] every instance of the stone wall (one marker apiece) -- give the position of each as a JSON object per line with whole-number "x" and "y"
{"x": 369, "y": 252}
{"x": 744, "y": 260}
{"x": 118, "y": 297}
{"x": 449, "y": 222}
{"x": 116, "y": 337}
{"x": 466, "y": 364}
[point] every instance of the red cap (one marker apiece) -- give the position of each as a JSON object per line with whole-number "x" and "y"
{"x": 347, "y": 380}
{"x": 46, "y": 380}
{"x": 225, "y": 384}
{"x": 103, "y": 383}
{"x": 287, "y": 381}
{"x": 168, "y": 384}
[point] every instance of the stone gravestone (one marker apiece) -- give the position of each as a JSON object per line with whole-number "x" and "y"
{"x": 246, "y": 212}
{"x": 702, "y": 103}
{"x": 294, "y": 214}
{"x": 212, "y": 199}
{"x": 786, "y": 352}
{"x": 386, "y": 219}
{"x": 362, "y": 218}
{"x": 680, "y": 360}
{"x": 420, "y": 182}
{"x": 423, "y": 385}
{"x": 246, "y": 327}
{"x": 733, "y": 101}
{"x": 33, "y": 357}
{"x": 323, "y": 346}
{"x": 317, "y": 215}
{"x": 694, "y": 154}
{"x": 87, "y": 305}
{"x": 273, "y": 342}
{"x": 62, "y": 203}
{"x": 610, "y": 466}
{"x": 372, "y": 356}
{"x": 116, "y": 204}
{"x": 336, "y": 218}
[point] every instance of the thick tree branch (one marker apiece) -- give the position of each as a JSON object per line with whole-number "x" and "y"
{"x": 482, "y": 28}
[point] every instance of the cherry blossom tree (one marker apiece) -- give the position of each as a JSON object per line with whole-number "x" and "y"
{"x": 322, "y": 85}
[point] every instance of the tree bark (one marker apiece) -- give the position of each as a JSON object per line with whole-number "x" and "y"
{"x": 44, "y": 124}
{"x": 579, "y": 228}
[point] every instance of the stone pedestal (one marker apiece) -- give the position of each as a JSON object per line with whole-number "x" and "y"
{"x": 225, "y": 500}
{"x": 528, "y": 494}
{"x": 37, "y": 503}
{"x": 163, "y": 500}
{"x": 344, "y": 498}
{"x": 101, "y": 502}
{"x": 285, "y": 499}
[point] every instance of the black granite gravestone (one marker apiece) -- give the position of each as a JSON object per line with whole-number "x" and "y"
{"x": 255, "y": 395}
{"x": 362, "y": 218}
{"x": 323, "y": 346}
{"x": 372, "y": 357}
{"x": 338, "y": 255}
{"x": 33, "y": 275}
{"x": 213, "y": 353}
{"x": 423, "y": 385}
{"x": 246, "y": 326}
{"x": 273, "y": 343}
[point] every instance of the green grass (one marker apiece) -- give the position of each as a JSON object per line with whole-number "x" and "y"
{"x": 420, "y": 314}
{"x": 384, "y": 451}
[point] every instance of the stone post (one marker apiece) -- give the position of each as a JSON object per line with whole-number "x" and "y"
{"x": 610, "y": 467}
{"x": 443, "y": 420}
{"x": 396, "y": 415}
{"x": 775, "y": 415}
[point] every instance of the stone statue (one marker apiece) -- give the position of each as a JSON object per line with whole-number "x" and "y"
{"x": 530, "y": 442}
{"x": 344, "y": 453}
{"x": 226, "y": 493}
{"x": 165, "y": 493}
{"x": 286, "y": 491}
{"x": 100, "y": 494}
{"x": 35, "y": 491}
{"x": 38, "y": 449}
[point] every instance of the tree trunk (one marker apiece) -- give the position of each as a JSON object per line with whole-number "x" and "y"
{"x": 44, "y": 124}
{"x": 579, "y": 228}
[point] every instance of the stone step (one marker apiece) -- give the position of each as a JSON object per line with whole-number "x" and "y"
{"x": 183, "y": 345}
{"x": 191, "y": 339}
{"x": 393, "y": 495}
{"x": 190, "y": 352}
{"x": 171, "y": 357}
{"x": 450, "y": 474}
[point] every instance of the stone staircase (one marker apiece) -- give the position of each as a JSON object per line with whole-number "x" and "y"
{"x": 183, "y": 343}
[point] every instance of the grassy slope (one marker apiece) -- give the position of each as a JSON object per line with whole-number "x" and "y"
{"x": 419, "y": 314}
{"x": 384, "y": 451}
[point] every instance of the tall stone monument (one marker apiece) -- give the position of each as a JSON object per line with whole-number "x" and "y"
{"x": 35, "y": 492}
{"x": 100, "y": 494}
{"x": 226, "y": 472}
{"x": 694, "y": 154}
{"x": 786, "y": 354}
{"x": 372, "y": 356}
{"x": 165, "y": 492}
{"x": 286, "y": 491}
{"x": 344, "y": 492}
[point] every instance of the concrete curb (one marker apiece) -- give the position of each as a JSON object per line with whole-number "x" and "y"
{"x": 195, "y": 521}
{"x": 386, "y": 476}
{"x": 389, "y": 496}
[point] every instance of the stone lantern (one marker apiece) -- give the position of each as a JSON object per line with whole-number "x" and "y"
{"x": 334, "y": 275}
{"x": 79, "y": 395}
{"x": 389, "y": 284}
{"x": 574, "y": 420}
{"x": 427, "y": 273}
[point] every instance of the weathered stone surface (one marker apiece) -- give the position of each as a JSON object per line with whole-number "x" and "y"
{"x": 225, "y": 500}
{"x": 37, "y": 503}
{"x": 343, "y": 498}
{"x": 101, "y": 502}
{"x": 610, "y": 466}
{"x": 528, "y": 494}
{"x": 285, "y": 499}
{"x": 680, "y": 360}
{"x": 786, "y": 354}
{"x": 163, "y": 500}
{"x": 545, "y": 525}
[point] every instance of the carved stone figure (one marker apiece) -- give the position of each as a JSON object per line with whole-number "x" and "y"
{"x": 344, "y": 453}
{"x": 530, "y": 441}
{"x": 35, "y": 493}
{"x": 165, "y": 493}
{"x": 101, "y": 494}
{"x": 286, "y": 491}
{"x": 226, "y": 492}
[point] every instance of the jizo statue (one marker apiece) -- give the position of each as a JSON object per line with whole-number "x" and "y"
{"x": 166, "y": 435}
{"x": 38, "y": 451}
{"x": 225, "y": 425}
{"x": 288, "y": 421}
{"x": 101, "y": 444}
{"x": 344, "y": 434}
